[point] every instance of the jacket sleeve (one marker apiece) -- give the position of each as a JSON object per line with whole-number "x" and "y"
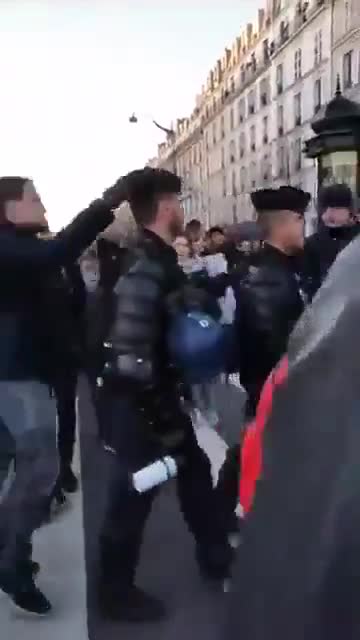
{"x": 29, "y": 253}
{"x": 264, "y": 310}
{"x": 134, "y": 335}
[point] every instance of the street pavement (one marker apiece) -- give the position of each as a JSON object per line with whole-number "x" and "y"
{"x": 67, "y": 551}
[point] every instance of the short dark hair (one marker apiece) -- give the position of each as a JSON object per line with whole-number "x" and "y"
{"x": 193, "y": 225}
{"x": 216, "y": 229}
{"x": 146, "y": 188}
{"x": 11, "y": 188}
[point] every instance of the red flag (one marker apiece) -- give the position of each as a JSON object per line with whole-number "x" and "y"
{"x": 251, "y": 454}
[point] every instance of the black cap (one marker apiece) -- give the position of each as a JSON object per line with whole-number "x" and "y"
{"x": 285, "y": 198}
{"x": 337, "y": 196}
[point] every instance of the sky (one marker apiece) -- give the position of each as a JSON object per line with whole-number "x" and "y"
{"x": 73, "y": 71}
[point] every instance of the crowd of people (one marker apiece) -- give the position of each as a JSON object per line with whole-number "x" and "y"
{"x": 108, "y": 315}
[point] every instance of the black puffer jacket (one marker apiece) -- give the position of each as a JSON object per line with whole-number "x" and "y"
{"x": 137, "y": 362}
{"x": 29, "y": 319}
{"x": 269, "y": 303}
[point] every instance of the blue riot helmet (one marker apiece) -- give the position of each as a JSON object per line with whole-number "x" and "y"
{"x": 198, "y": 346}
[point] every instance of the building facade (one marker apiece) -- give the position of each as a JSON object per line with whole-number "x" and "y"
{"x": 254, "y": 113}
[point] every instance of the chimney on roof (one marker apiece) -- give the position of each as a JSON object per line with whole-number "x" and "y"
{"x": 261, "y": 19}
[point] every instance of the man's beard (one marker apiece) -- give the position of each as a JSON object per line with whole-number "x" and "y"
{"x": 176, "y": 228}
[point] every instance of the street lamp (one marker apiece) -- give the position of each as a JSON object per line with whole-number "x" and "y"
{"x": 169, "y": 132}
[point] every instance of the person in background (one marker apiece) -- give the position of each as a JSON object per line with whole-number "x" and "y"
{"x": 143, "y": 388}
{"x": 89, "y": 267}
{"x": 30, "y": 355}
{"x": 194, "y": 231}
{"x": 337, "y": 229}
{"x": 269, "y": 302}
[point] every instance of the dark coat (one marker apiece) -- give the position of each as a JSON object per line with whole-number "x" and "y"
{"x": 321, "y": 251}
{"x": 30, "y": 313}
{"x": 269, "y": 303}
{"x": 137, "y": 364}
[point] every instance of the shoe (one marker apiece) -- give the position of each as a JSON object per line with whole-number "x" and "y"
{"x": 68, "y": 480}
{"x": 24, "y": 594}
{"x": 134, "y": 606}
{"x": 215, "y": 561}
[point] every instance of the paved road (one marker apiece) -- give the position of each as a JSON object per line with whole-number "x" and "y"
{"x": 69, "y": 580}
{"x": 167, "y": 567}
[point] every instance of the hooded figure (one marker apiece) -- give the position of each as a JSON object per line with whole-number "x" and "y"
{"x": 299, "y": 565}
{"x": 337, "y": 228}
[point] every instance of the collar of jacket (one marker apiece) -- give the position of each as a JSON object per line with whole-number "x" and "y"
{"x": 272, "y": 253}
{"x": 157, "y": 247}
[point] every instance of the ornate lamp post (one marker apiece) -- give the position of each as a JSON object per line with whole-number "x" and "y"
{"x": 336, "y": 144}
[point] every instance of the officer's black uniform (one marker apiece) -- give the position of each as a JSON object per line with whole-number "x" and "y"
{"x": 270, "y": 300}
{"x": 146, "y": 419}
{"x": 323, "y": 247}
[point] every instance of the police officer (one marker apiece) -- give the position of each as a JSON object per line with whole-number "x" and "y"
{"x": 144, "y": 409}
{"x": 269, "y": 302}
{"x": 338, "y": 228}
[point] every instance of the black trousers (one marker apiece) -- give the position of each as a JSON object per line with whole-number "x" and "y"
{"x": 65, "y": 392}
{"x": 229, "y": 476}
{"x": 127, "y": 511}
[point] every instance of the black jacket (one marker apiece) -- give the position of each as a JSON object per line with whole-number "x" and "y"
{"x": 269, "y": 303}
{"x": 137, "y": 361}
{"x": 321, "y": 251}
{"x": 29, "y": 310}
{"x": 66, "y": 300}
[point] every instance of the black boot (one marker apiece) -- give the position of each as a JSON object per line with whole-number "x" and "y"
{"x": 31, "y": 565}
{"x": 24, "y": 593}
{"x": 68, "y": 480}
{"x": 130, "y": 605}
{"x": 214, "y": 561}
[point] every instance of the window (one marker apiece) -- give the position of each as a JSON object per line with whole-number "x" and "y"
{"x": 281, "y": 166}
{"x": 297, "y": 65}
{"x": 266, "y": 168}
{"x": 242, "y": 145}
{"x": 224, "y": 190}
{"x": 232, "y": 84}
{"x": 232, "y": 151}
{"x": 347, "y": 15}
{"x": 243, "y": 180}
{"x": 251, "y": 102}
{"x": 214, "y": 133}
{"x": 253, "y": 175}
{"x": 347, "y": 70}
{"x": 317, "y": 95}
{"x": 234, "y": 212}
{"x": 318, "y": 48}
{"x": 241, "y": 111}
{"x": 243, "y": 74}
{"x": 206, "y": 141}
{"x": 280, "y": 120}
{"x": 222, "y": 158}
{"x": 253, "y": 138}
{"x": 297, "y": 155}
{"x": 222, "y": 127}
{"x": 231, "y": 119}
{"x": 264, "y": 92}
{"x": 265, "y": 130}
{"x": 297, "y": 109}
{"x": 233, "y": 183}
{"x": 279, "y": 79}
